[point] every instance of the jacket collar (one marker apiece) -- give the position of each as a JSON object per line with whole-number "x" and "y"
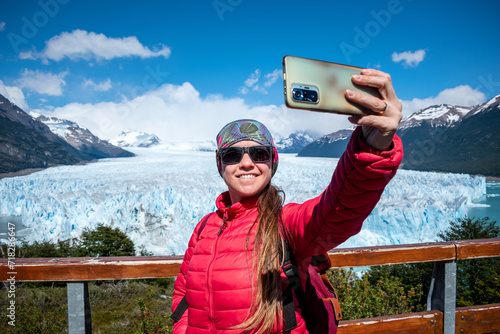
{"x": 225, "y": 207}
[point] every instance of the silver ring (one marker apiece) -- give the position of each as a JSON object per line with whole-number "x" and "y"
{"x": 385, "y": 108}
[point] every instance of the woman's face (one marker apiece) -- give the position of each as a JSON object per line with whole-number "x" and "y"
{"x": 246, "y": 178}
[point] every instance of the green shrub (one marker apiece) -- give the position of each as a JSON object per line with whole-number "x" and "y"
{"x": 104, "y": 241}
{"x": 128, "y": 306}
{"x": 361, "y": 299}
{"x": 478, "y": 280}
{"x": 411, "y": 276}
{"x": 147, "y": 323}
{"x": 38, "y": 310}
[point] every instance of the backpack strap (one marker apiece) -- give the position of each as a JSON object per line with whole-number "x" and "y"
{"x": 288, "y": 310}
{"x": 291, "y": 271}
{"x": 179, "y": 310}
{"x": 289, "y": 268}
{"x": 335, "y": 301}
{"x": 320, "y": 263}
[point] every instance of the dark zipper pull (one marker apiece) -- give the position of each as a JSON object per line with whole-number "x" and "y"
{"x": 223, "y": 226}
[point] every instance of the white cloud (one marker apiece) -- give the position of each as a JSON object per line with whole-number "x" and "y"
{"x": 253, "y": 78}
{"x": 80, "y": 44}
{"x": 14, "y": 95}
{"x": 27, "y": 55}
{"x": 250, "y": 82}
{"x": 463, "y": 96}
{"x": 253, "y": 81}
{"x": 179, "y": 113}
{"x": 259, "y": 88}
{"x": 409, "y": 58}
{"x": 42, "y": 83}
{"x": 273, "y": 77}
{"x": 2, "y": 26}
{"x": 100, "y": 87}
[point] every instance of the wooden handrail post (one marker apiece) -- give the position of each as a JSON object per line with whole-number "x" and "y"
{"x": 443, "y": 293}
{"x": 79, "y": 318}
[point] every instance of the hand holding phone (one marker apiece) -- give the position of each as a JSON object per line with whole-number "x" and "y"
{"x": 365, "y": 94}
{"x": 320, "y": 86}
{"x": 380, "y": 128}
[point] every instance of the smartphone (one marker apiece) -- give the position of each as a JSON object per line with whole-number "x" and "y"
{"x": 320, "y": 86}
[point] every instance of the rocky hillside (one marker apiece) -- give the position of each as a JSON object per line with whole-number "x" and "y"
{"x": 28, "y": 143}
{"x": 295, "y": 142}
{"x": 470, "y": 145}
{"x": 438, "y": 138}
{"x": 82, "y": 139}
{"x": 329, "y": 146}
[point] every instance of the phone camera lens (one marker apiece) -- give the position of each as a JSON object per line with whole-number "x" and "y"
{"x": 298, "y": 94}
{"x": 305, "y": 94}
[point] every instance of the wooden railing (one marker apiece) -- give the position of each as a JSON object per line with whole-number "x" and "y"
{"x": 441, "y": 317}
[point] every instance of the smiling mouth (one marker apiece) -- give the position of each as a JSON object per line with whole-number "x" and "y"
{"x": 247, "y": 176}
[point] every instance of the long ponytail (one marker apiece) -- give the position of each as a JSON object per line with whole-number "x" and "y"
{"x": 266, "y": 308}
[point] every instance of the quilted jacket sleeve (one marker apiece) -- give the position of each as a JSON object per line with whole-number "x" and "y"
{"x": 360, "y": 177}
{"x": 180, "y": 283}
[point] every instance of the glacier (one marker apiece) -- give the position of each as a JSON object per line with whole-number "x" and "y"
{"x": 158, "y": 197}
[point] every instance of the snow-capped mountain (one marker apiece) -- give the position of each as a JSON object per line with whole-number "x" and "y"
{"x": 199, "y": 145}
{"x": 81, "y": 138}
{"x": 468, "y": 145}
{"x": 437, "y": 115}
{"x": 485, "y": 107}
{"x": 295, "y": 142}
{"x": 331, "y": 145}
{"x": 27, "y": 143}
{"x": 438, "y": 138}
{"x": 130, "y": 138}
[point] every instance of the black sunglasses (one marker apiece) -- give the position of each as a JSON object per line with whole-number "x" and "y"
{"x": 233, "y": 155}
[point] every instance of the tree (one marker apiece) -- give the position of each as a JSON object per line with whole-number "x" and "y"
{"x": 45, "y": 249}
{"x": 470, "y": 228}
{"x": 105, "y": 241}
{"x": 478, "y": 280}
{"x": 361, "y": 299}
{"x": 411, "y": 275}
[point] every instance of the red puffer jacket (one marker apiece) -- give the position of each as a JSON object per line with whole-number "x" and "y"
{"x": 215, "y": 275}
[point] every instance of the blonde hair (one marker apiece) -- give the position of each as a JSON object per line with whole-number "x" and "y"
{"x": 266, "y": 308}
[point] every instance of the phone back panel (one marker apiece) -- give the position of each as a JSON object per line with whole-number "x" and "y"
{"x": 331, "y": 80}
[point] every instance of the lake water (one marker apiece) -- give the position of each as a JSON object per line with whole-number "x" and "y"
{"x": 488, "y": 205}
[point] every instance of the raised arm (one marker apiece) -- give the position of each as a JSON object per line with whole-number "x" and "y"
{"x": 370, "y": 161}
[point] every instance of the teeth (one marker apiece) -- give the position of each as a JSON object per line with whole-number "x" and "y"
{"x": 247, "y": 176}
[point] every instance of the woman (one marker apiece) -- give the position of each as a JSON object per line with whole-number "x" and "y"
{"x": 231, "y": 274}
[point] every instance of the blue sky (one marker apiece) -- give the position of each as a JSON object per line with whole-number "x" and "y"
{"x": 182, "y": 69}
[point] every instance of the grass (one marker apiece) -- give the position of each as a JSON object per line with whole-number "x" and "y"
{"x": 128, "y": 306}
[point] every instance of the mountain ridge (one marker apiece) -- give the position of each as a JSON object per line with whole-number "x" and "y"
{"x": 131, "y": 138}
{"x": 81, "y": 138}
{"x": 441, "y": 138}
{"x": 27, "y": 143}
{"x": 295, "y": 141}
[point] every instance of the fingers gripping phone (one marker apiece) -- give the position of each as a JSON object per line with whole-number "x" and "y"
{"x": 320, "y": 86}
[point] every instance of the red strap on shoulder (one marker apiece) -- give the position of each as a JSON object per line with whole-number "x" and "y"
{"x": 335, "y": 302}
{"x": 336, "y": 307}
